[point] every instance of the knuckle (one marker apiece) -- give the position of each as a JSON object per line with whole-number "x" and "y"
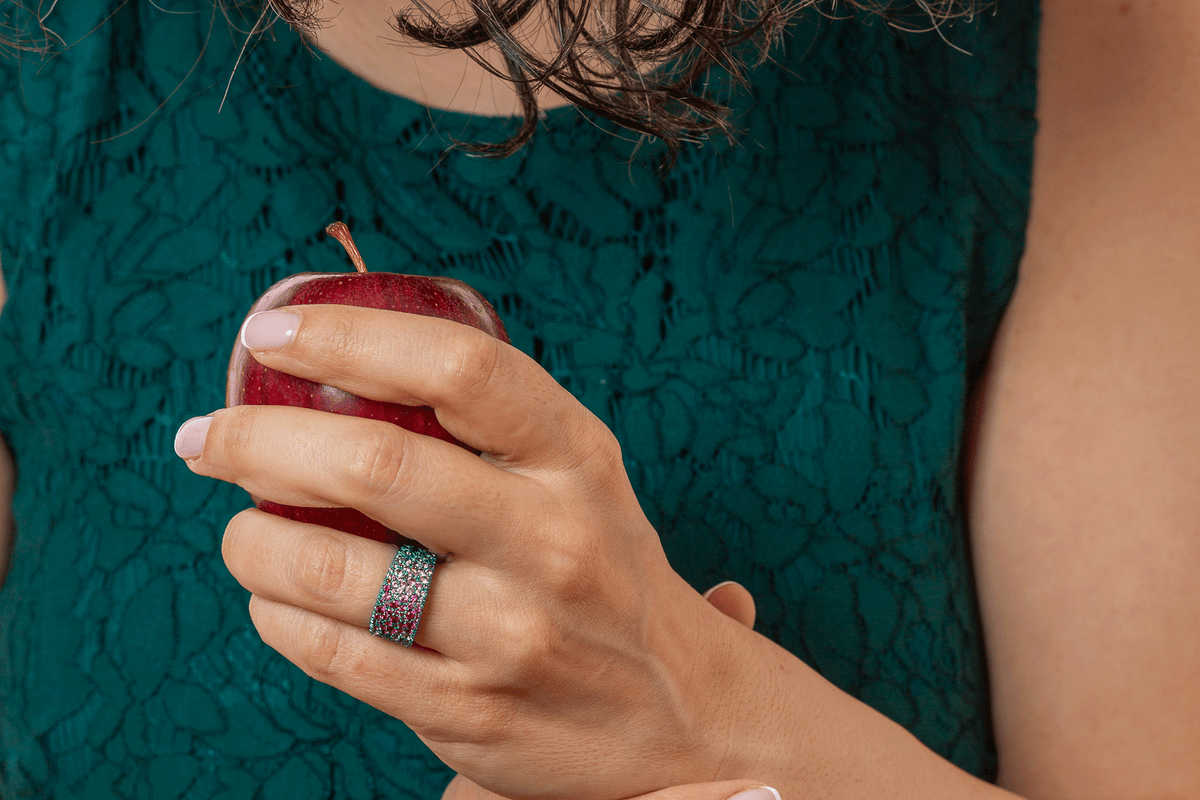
{"x": 324, "y": 569}
{"x": 493, "y": 720}
{"x": 473, "y": 362}
{"x": 591, "y": 450}
{"x": 327, "y": 650}
{"x": 538, "y": 663}
{"x": 534, "y": 651}
{"x": 342, "y": 339}
{"x": 606, "y": 448}
{"x": 235, "y": 432}
{"x": 236, "y": 531}
{"x": 484, "y": 707}
{"x": 600, "y": 450}
{"x": 379, "y": 463}
{"x": 472, "y": 720}
{"x": 569, "y": 573}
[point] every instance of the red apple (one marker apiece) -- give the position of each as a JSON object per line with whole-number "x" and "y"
{"x": 250, "y": 383}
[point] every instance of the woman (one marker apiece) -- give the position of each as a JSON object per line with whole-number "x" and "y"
{"x": 782, "y": 345}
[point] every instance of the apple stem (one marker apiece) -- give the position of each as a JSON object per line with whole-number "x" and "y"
{"x": 339, "y": 231}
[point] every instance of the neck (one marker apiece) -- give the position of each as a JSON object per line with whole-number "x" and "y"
{"x": 358, "y": 36}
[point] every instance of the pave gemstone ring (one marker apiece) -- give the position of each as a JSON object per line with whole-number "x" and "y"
{"x": 402, "y": 597}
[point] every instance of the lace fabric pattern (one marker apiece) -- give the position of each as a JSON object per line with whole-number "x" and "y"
{"x": 780, "y": 331}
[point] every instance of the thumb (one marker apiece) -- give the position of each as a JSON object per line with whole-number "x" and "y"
{"x": 734, "y": 601}
{"x": 462, "y": 789}
{"x": 724, "y": 790}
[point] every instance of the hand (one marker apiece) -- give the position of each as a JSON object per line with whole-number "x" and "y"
{"x": 732, "y": 600}
{"x": 555, "y": 630}
{"x": 462, "y": 789}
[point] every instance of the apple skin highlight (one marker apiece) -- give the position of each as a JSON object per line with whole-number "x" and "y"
{"x": 251, "y": 383}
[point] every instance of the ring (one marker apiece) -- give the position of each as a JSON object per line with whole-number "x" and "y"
{"x": 402, "y": 597}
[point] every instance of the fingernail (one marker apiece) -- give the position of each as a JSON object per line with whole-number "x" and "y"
{"x": 269, "y": 330}
{"x": 189, "y": 441}
{"x": 761, "y": 793}
{"x": 713, "y": 590}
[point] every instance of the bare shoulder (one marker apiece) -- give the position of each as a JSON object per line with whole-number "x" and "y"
{"x": 1084, "y": 524}
{"x": 1118, "y": 112}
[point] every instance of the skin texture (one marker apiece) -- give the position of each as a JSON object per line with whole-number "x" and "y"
{"x": 1086, "y": 531}
{"x": 462, "y": 789}
{"x": 734, "y": 601}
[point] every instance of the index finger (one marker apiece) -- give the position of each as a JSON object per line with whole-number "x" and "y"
{"x": 485, "y": 392}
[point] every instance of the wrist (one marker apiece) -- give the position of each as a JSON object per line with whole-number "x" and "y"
{"x": 772, "y": 717}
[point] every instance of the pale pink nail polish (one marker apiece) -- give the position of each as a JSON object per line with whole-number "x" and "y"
{"x": 269, "y": 330}
{"x": 189, "y": 441}
{"x": 761, "y": 793}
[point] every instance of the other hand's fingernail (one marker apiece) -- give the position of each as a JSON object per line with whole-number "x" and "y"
{"x": 189, "y": 441}
{"x": 761, "y": 793}
{"x": 269, "y": 330}
{"x": 710, "y": 592}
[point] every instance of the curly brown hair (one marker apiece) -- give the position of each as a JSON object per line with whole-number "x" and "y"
{"x": 635, "y": 62}
{"x": 639, "y": 63}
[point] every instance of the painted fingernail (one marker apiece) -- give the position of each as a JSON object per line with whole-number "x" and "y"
{"x": 189, "y": 441}
{"x": 269, "y": 330}
{"x": 713, "y": 590}
{"x": 761, "y": 793}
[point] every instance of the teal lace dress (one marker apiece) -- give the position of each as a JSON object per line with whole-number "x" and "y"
{"x": 781, "y": 332}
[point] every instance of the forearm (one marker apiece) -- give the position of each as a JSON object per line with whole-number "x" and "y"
{"x": 790, "y": 728}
